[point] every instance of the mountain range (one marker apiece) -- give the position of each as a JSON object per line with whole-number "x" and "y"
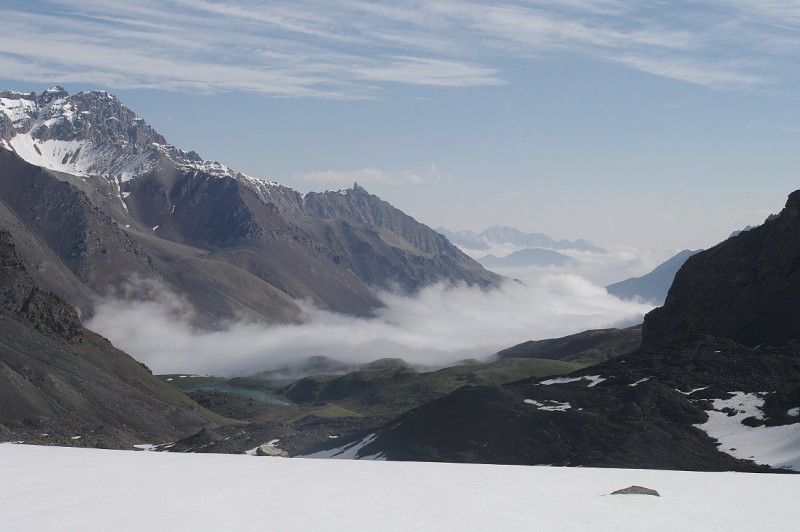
{"x": 94, "y": 202}
{"x": 500, "y": 235}
{"x": 96, "y": 199}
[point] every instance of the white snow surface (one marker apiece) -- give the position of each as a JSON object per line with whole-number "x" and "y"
{"x": 690, "y": 392}
{"x": 775, "y": 446}
{"x": 549, "y": 405}
{"x": 594, "y": 380}
{"x": 81, "y": 157}
{"x": 55, "y": 488}
{"x": 18, "y": 111}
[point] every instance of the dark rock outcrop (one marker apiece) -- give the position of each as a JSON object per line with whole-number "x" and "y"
{"x": 746, "y": 288}
{"x": 37, "y": 308}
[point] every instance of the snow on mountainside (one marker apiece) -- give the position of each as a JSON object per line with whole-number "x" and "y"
{"x": 92, "y": 133}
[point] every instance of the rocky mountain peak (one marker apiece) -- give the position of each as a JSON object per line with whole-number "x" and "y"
{"x": 91, "y": 133}
{"x": 51, "y": 94}
{"x": 792, "y": 207}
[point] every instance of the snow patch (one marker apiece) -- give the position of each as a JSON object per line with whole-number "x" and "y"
{"x": 19, "y": 112}
{"x": 794, "y": 412}
{"x": 594, "y": 380}
{"x": 640, "y": 381}
{"x": 690, "y": 392}
{"x": 348, "y": 451}
{"x": 773, "y": 446}
{"x": 549, "y": 405}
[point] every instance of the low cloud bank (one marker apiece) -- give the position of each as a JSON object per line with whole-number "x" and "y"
{"x": 439, "y": 325}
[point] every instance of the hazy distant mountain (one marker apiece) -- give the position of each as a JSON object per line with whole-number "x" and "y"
{"x": 93, "y": 195}
{"x": 652, "y": 286}
{"x": 512, "y": 237}
{"x": 526, "y": 257}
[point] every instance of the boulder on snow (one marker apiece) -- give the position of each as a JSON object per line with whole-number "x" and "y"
{"x": 636, "y": 490}
{"x": 271, "y": 450}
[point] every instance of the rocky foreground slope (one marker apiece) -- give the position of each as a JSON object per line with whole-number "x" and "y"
{"x": 63, "y": 384}
{"x": 715, "y": 386}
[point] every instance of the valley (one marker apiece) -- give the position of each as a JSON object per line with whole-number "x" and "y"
{"x": 342, "y": 324}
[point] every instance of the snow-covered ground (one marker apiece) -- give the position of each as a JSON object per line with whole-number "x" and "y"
{"x": 51, "y": 488}
{"x": 776, "y": 446}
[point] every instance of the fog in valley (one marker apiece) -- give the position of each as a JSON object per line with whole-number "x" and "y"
{"x": 437, "y": 326}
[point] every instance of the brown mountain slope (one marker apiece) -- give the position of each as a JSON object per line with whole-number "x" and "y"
{"x": 63, "y": 384}
{"x": 232, "y": 245}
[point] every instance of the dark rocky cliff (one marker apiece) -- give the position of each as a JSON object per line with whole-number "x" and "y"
{"x": 746, "y": 288}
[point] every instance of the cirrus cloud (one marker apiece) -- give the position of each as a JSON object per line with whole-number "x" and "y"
{"x": 352, "y": 49}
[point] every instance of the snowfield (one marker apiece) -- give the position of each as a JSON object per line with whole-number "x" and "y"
{"x": 53, "y": 488}
{"x": 776, "y": 446}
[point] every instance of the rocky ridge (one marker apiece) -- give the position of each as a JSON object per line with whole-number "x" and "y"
{"x": 233, "y": 245}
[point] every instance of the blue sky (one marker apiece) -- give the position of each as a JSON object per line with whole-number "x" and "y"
{"x": 662, "y": 125}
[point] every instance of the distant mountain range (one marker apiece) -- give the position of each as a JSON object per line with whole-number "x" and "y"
{"x": 94, "y": 197}
{"x": 653, "y": 286}
{"x": 526, "y": 257}
{"x": 512, "y": 237}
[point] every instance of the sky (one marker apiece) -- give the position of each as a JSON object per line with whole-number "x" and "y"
{"x": 659, "y": 125}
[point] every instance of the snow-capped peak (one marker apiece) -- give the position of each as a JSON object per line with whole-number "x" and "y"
{"x": 93, "y": 133}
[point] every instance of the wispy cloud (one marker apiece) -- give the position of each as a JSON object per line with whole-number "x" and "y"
{"x": 439, "y": 325}
{"x": 352, "y": 48}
